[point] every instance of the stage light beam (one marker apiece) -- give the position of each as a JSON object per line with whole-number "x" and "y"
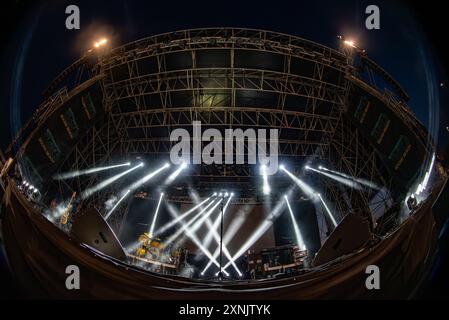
{"x": 87, "y": 193}
{"x": 148, "y": 177}
{"x": 234, "y": 227}
{"x": 347, "y": 182}
{"x": 198, "y": 220}
{"x": 216, "y": 223}
{"x": 214, "y": 234}
{"x": 181, "y": 217}
{"x": 361, "y": 181}
{"x": 116, "y": 205}
{"x": 301, "y": 184}
{"x": 263, "y": 227}
{"x": 175, "y": 174}
{"x": 266, "y": 186}
{"x": 73, "y": 174}
{"x": 329, "y": 213}
{"x": 195, "y": 240}
{"x": 299, "y": 239}
{"x": 153, "y": 223}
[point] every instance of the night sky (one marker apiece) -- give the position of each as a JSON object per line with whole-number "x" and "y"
{"x": 37, "y": 45}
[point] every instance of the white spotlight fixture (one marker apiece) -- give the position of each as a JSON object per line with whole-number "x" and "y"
{"x": 116, "y": 205}
{"x": 299, "y": 239}
{"x": 73, "y": 174}
{"x": 153, "y": 223}
{"x": 266, "y": 186}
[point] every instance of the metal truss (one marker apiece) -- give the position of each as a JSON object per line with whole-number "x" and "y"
{"x": 315, "y": 128}
{"x": 355, "y": 156}
{"x": 230, "y": 38}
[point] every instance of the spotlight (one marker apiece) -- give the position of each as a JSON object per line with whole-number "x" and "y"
{"x": 87, "y": 193}
{"x": 282, "y": 167}
{"x": 307, "y": 167}
{"x": 100, "y": 43}
{"x": 226, "y": 194}
{"x": 214, "y": 194}
{"x": 349, "y": 43}
{"x": 116, "y": 205}
{"x": 73, "y": 174}
{"x": 220, "y": 194}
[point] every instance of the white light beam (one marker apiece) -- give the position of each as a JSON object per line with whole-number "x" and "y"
{"x": 116, "y": 205}
{"x": 87, "y": 193}
{"x": 77, "y": 173}
{"x": 153, "y": 223}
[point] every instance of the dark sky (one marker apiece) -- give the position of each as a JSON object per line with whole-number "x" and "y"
{"x": 37, "y": 46}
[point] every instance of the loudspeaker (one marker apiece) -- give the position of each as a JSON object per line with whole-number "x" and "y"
{"x": 351, "y": 234}
{"x": 90, "y": 228}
